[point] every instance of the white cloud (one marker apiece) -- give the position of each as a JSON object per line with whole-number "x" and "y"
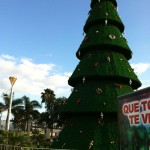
{"x": 145, "y": 83}
{"x": 142, "y": 70}
{"x": 7, "y": 57}
{"x": 32, "y": 78}
{"x": 140, "y": 67}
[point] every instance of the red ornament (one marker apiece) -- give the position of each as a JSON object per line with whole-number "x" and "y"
{"x": 119, "y": 85}
{"x": 86, "y": 38}
{"x": 78, "y": 101}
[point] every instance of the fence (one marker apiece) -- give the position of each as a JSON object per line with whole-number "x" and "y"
{"x": 10, "y": 147}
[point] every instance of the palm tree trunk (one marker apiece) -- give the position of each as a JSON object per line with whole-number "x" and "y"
{"x": 51, "y": 137}
{"x": 25, "y": 129}
{"x": 47, "y": 133}
{"x": 28, "y": 127}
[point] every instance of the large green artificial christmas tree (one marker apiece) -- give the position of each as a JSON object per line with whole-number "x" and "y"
{"x": 102, "y": 74}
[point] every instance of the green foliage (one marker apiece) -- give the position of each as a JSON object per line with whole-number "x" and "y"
{"x": 45, "y": 144}
{"x": 5, "y": 105}
{"x": 37, "y": 136}
{"x": 23, "y": 114}
{"x": 53, "y": 105}
{"x": 48, "y": 97}
{"x": 102, "y": 75}
{"x": 16, "y": 138}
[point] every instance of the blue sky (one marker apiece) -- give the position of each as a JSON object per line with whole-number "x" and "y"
{"x": 39, "y": 39}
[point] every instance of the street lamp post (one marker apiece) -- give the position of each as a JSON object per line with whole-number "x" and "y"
{"x": 12, "y": 81}
{"x": 0, "y": 120}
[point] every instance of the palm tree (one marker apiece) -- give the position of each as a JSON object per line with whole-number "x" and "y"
{"x": 52, "y": 104}
{"x": 27, "y": 113}
{"x": 61, "y": 118}
{"x": 19, "y": 120}
{"x": 5, "y": 105}
{"x": 48, "y": 97}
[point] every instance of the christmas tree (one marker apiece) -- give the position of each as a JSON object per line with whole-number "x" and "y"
{"x": 102, "y": 74}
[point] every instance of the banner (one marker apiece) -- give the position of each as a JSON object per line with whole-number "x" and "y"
{"x": 134, "y": 120}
